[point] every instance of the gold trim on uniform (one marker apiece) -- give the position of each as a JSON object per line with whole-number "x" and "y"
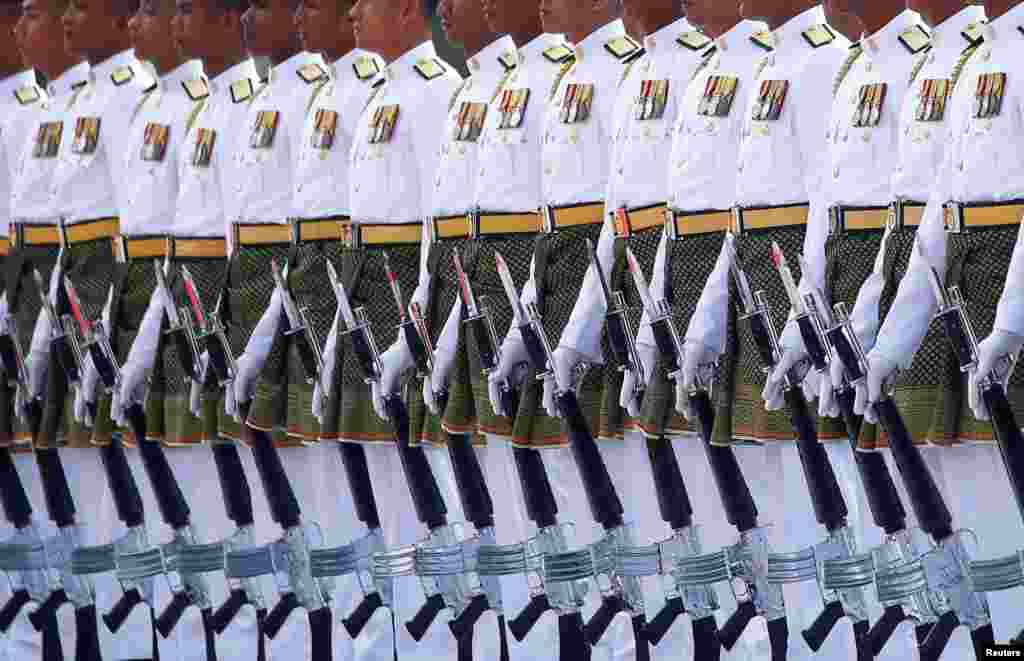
{"x": 558, "y": 54}
{"x": 819, "y": 35}
{"x": 261, "y": 234}
{"x": 754, "y": 218}
{"x": 264, "y": 129}
{"x": 47, "y": 142}
{"x": 555, "y": 218}
{"x": 92, "y": 230}
{"x": 141, "y": 248}
{"x": 771, "y": 99}
{"x": 915, "y": 39}
{"x": 652, "y": 100}
{"x": 509, "y": 60}
{"x": 988, "y": 95}
{"x": 429, "y": 68}
{"x": 203, "y": 152}
{"x": 87, "y": 135}
{"x": 870, "y": 101}
{"x": 197, "y": 247}
{"x": 325, "y": 123}
{"x": 310, "y": 73}
{"x": 154, "y": 142}
{"x": 693, "y": 40}
{"x": 469, "y": 122}
{"x": 763, "y": 39}
{"x": 688, "y": 223}
{"x": 513, "y": 108}
{"x": 241, "y": 90}
{"x": 931, "y": 106}
{"x": 629, "y": 221}
{"x": 719, "y": 93}
{"x": 122, "y": 75}
{"x": 317, "y": 229}
{"x": 27, "y": 94}
{"x": 382, "y": 124}
{"x": 576, "y": 103}
{"x": 196, "y": 89}
{"x": 365, "y": 67}
{"x": 622, "y": 46}
{"x": 357, "y": 235}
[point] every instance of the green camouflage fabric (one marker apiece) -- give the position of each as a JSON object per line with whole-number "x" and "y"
{"x": 91, "y": 267}
{"x": 689, "y": 263}
{"x": 481, "y": 268}
{"x": 250, "y": 286}
{"x": 284, "y": 396}
{"x": 561, "y": 261}
{"x": 349, "y": 411}
{"x": 459, "y": 416}
{"x": 24, "y": 306}
{"x": 978, "y": 264}
{"x": 850, "y": 259}
{"x": 740, "y": 414}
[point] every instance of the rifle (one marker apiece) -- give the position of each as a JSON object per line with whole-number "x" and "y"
{"x": 301, "y": 332}
{"x": 621, "y": 335}
{"x": 12, "y": 358}
{"x": 618, "y": 593}
{"x": 946, "y": 567}
{"x": 826, "y": 496}
{"x": 211, "y": 332}
{"x": 63, "y": 339}
{"x": 459, "y": 586}
{"x": 181, "y": 331}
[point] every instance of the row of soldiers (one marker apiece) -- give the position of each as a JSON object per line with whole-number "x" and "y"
{"x": 198, "y": 258}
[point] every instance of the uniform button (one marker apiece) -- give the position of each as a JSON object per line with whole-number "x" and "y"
{"x": 835, "y": 173}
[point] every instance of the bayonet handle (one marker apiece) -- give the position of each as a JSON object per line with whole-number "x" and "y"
{"x": 19, "y": 599}
{"x": 123, "y": 488}
{"x": 12, "y": 492}
{"x": 169, "y": 497}
{"x": 59, "y": 502}
{"x": 233, "y": 484}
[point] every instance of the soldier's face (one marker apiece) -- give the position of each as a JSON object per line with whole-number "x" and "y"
{"x": 462, "y": 20}
{"x": 150, "y": 32}
{"x": 195, "y": 27}
{"x": 89, "y": 26}
{"x": 323, "y": 25}
{"x": 268, "y": 27}
{"x": 373, "y": 23}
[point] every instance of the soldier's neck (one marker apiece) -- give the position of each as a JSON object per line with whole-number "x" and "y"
{"x": 278, "y": 57}
{"x": 878, "y": 14}
{"x": 99, "y": 56}
{"x": 59, "y": 67}
{"x": 407, "y": 40}
{"x": 716, "y": 30}
{"x": 10, "y": 70}
{"x": 792, "y": 11}
{"x": 654, "y": 20}
{"x": 587, "y": 30}
{"x": 478, "y": 43}
{"x": 525, "y": 35}
{"x": 937, "y": 14}
{"x": 165, "y": 65}
{"x": 338, "y": 51}
{"x": 996, "y": 8}
{"x": 215, "y": 66}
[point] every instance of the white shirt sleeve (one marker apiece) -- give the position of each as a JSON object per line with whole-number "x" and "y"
{"x": 583, "y": 331}
{"x": 710, "y": 320}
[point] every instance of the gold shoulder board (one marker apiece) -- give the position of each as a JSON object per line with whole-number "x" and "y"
{"x": 915, "y": 39}
{"x": 819, "y": 35}
{"x": 241, "y": 90}
{"x": 429, "y": 69}
{"x": 311, "y": 72}
{"x": 558, "y": 54}
{"x": 196, "y": 89}
{"x": 763, "y": 39}
{"x": 365, "y": 67}
{"x": 122, "y": 75}
{"x": 973, "y": 32}
{"x": 509, "y": 60}
{"x": 693, "y": 40}
{"x": 27, "y": 94}
{"x": 620, "y": 47}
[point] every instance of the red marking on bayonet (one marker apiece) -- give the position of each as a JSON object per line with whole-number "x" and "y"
{"x": 76, "y": 308}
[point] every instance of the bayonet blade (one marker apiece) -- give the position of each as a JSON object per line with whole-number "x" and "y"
{"x": 510, "y": 288}
{"x": 294, "y": 319}
{"x": 76, "y": 308}
{"x": 641, "y": 283}
{"x": 194, "y": 298}
{"x": 595, "y": 263}
{"x": 161, "y": 284}
{"x": 396, "y": 287}
{"x": 740, "y": 278}
{"x": 465, "y": 288}
{"x": 342, "y": 296}
{"x": 941, "y": 298}
{"x": 782, "y": 266}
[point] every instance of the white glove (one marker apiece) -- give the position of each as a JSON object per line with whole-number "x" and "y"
{"x": 195, "y": 391}
{"x": 244, "y": 384}
{"x": 37, "y": 368}
{"x": 513, "y": 354}
{"x": 565, "y": 362}
{"x": 991, "y": 350}
{"x": 628, "y": 397}
{"x": 394, "y": 362}
{"x": 828, "y": 405}
{"x": 443, "y": 363}
{"x": 85, "y": 396}
{"x": 134, "y": 384}
{"x": 230, "y": 404}
{"x": 872, "y": 388}
{"x": 695, "y": 355}
{"x": 793, "y": 351}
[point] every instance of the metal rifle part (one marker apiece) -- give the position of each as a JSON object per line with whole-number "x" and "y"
{"x": 63, "y": 339}
{"x": 12, "y": 358}
{"x": 960, "y": 331}
{"x": 357, "y": 327}
{"x": 826, "y": 496}
{"x": 947, "y": 566}
{"x": 301, "y": 332}
{"x": 619, "y": 593}
{"x": 95, "y": 339}
{"x": 621, "y": 335}
{"x": 212, "y": 334}
{"x": 181, "y": 330}
{"x": 480, "y": 321}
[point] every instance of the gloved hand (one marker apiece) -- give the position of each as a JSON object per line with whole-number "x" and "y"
{"x": 513, "y": 354}
{"x": 872, "y": 388}
{"x": 85, "y": 395}
{"x": 444, "y": 360}
{"x": 791, "y": 346}
{"x": 991, "y": 350}
{"x": 134, "y": 384}
{"x": 394, "y": 362}
{"x": 565, "y": 361}
{"x": 695, "y": 355}
{"x": 629, "y": 398}
{"x": 828, "y": 406}
{"x": 195, "y": 391}
{"x": 244, "y": 385}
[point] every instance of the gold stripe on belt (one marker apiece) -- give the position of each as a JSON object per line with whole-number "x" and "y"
{"x": 683, "y": 223}
{"x": 572, "y": 216}
{"x": 453, "y": 227}
{"x": 851, "y": 219}
{"x": 92, "y": 230}
{"x": 509, "y": 223}
{"x": 38, "y": 235}
{"x": 140, "y": 248}
{"x": 959, "y": 216}
{"x": 198, "y": 248}
{"x": 262, "y": 234}
{"x": 5, "y": 245}
{"x": 319, "y": 229}
{"x": 355, "y": 235}
{"x": 907, "y": 214}
{"x": 745, "y": 220}
{"x": 629, "y": 221}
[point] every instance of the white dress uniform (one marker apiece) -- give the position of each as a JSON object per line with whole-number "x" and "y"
{"x": 978, "y": 166}
{"x": 392, "y": 181}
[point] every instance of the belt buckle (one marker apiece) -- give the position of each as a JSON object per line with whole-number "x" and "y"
{"x": 671, "y": 231}
{"x": 547, "y": 219}
{"x": 433, "y": 229}
{"x": 835, "y": 220}
{"x": 623, "y": 228}
{"x": 348, "y": 232}
{"x": 295, "y": 230}
{"x": 17, "y": 234}
{"x": 953, "y": 217}
{"x": 473, "y": 216}
{"x": 894, "y": 219}
{"x": 169, "y": 247}
{"x": 737, "y": 220}
{"x": 121, "y": 249}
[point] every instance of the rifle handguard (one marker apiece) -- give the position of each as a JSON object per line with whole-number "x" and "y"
{"x": 87, "y": 640}
{"x": 737, "y": 623}
{"x": 572, "y": 645}
{"x": 938, "y": 636}
{"x": 52, "y": 649}
{"x": 279, "y": 614}
{"x": 18, "y": 600}
{"x": 173, "y": 507}
{"x": 541, "y": 507}
{"x": 209, "y": 636}
{"x": 827, "y": 498}
{"x": 172, "y": 614}
{"x": 39, "y": 617}
{"x": 233, "y": 484}
{"x": 816, "y": 634}
{"x": 425, "y": 616}
{"x": 1009, "y": 437}
{"x": 59, "y": 502}
{"x": 320, "y": 625}
{"x": 14, "y": 499}
{"x": 284, "y": 506}
{"x": 117, "y": 615}
{"x": 665, "y": 618}
{"x": 360, "y": 617}
{"x": 227, "y": 612}
{"x": 643, "y": 652}
{"x": 522, "y": 624}
{"x": 122, "y": 485}
{"x": 778, "y": 638}
{"x": 706, "y": 645}
{"x": 611, "y": 605}
{"x": 462, "y": 626}
{"x": 605, "y": 505}
{"x": 353, "y": 459}
{"x": 884, "y": 628}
